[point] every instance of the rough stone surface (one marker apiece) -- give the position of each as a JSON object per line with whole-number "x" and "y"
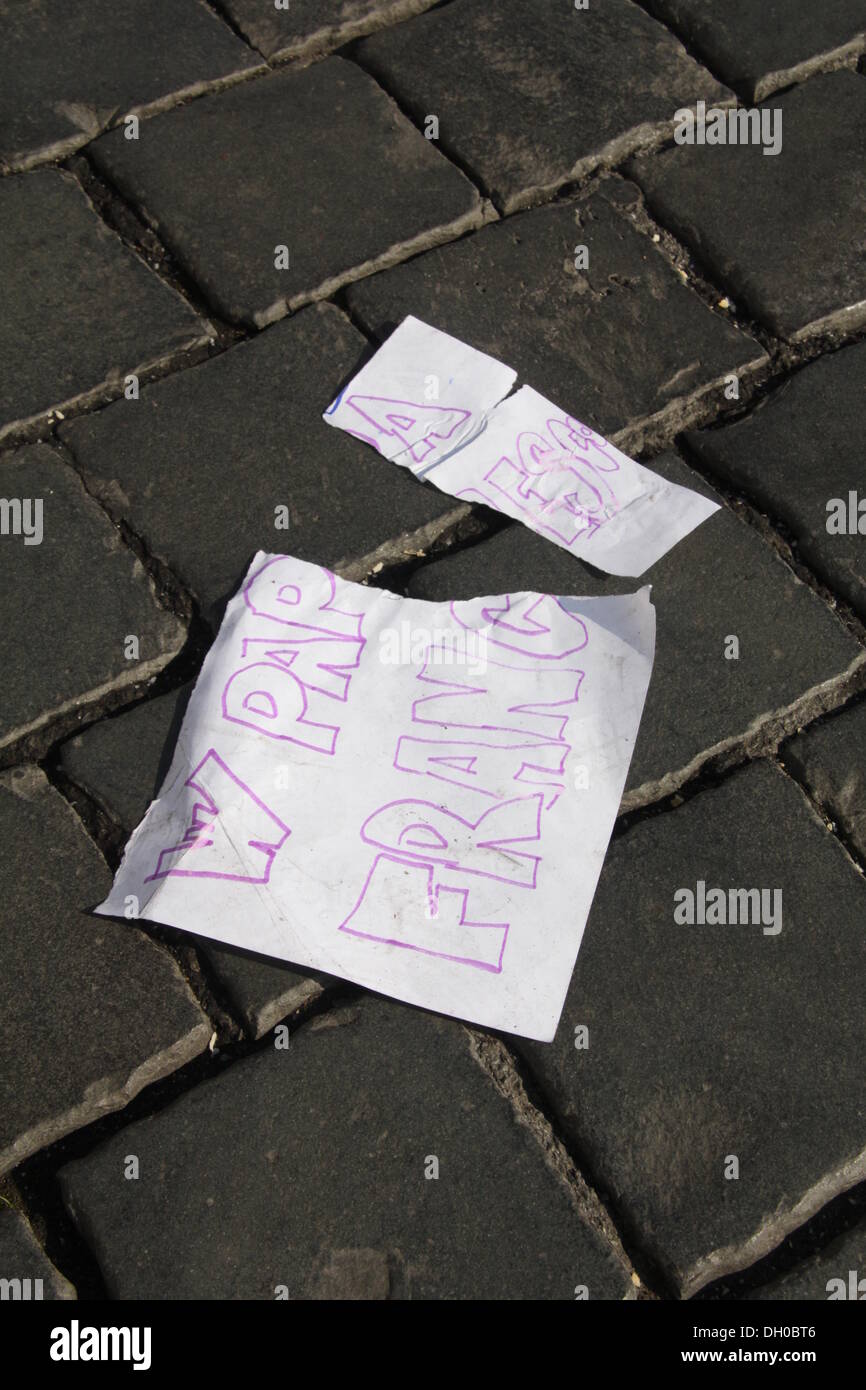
{"x": 812, "y": 1279}
{"x": 87, "y": 309}
{"x": 578, "y": 337}
{"x": 799, "y": 451}
{"x": 830, "y": 759}
{"x": 92, "y": 1010}
{"x": 237, "y": 437}
{"x": 22, "y": 1258}
{"x": 306, "y": 1168}
{"x": 529, "y": 94}
{"x": 785, "y": 234}
{"x": 722, "y": 580}
{"x": 319, "y": 161}
{"x": 121, "y": 763}
{"x": 758, "y": 48}
{"x": 262, "y": 990}
{"x": 63, "y": 654}
{"x": 303, "y": 31}
{"x": 707, "y": 1042}
{"x": 62, "y": 81}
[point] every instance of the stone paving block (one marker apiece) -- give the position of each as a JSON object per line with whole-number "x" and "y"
{"x": 86, "y": 308}
{"x": 305, "y": 31}
{"x": 708, "y": 1042}
{"x": 530, "y": 95}
{"x": 121, "y": 763}
{"x": 25, "y": 1270}
{"x": 837, "y": 1273}
{"x": 798, "y": 453}
{"x": 199, "y": 463}
{"x": 306, "y": 1168}
{"x": 319, "y": 162}
{"x": 73, "y": 593}
{"x": 623, "y": 340}
{"x": 92, "y": 1010}
{"x": 785, "y": 234}
{"x": 830, "y": 759}
{"x": 759, "y": 48}
{"x": 721, "y": 581}
{"x": 64, "y": 75}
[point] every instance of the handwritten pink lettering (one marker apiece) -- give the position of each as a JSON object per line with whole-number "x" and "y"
{"x": 231, "y": 833}
{"x": 478, "y": 741}
{"x": 560, "y": 480}
{"x": 289, "y": 694}
{"x": 475, "y": 847}
{"x": 416, "y": 427}
{"x": 453, "y": 937}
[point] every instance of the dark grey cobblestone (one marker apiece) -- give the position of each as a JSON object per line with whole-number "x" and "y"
{"x": 88, "y": 310}
{"x": 576, "y": 336}
{"x": 203, "y": 497}
{"x": 63, "y": 660}
{"x": 61, "y": 81}
{"x": 353, "y": 186}
{"x": 530, "y": 95}
{"x": 22, "y": 1258}
{"x": 305, "y": 31}
{"x": 759, "y": 48}
{"x": 305, "y": 1168}
{"x": 92, "y": 1010}
{"x": 711, "y": 1042}
{"x": 830, "y": 759}
{"x": 737, "y": 208}
{"x": 799, "y": 452}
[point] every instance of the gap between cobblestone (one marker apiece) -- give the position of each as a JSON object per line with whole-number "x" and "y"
{"x": 772, "y": 529}
{"x": 37, "y": 1183}
{"x": 337, "y": 40}
{"x": 36, "y": 1179}
{"x": 762, "y": 738}
{"x": 509, "y": 1074}
{"x": 836, "y": 1219}
{"x": 131, "y": 225}
{"x": 846, "y": 56}
{"x": 218, "y": 8}
{"x": 678, "y": 256}
{"x": 652, "y": 433}
{"x": 71, "y": 144}
{"x": 110, "y": 838}
{"x": 500, "y": 1065}
{"x": 685, "y": 42}
{"x": 830, "y": 821}
{"x": 445, "y": 148}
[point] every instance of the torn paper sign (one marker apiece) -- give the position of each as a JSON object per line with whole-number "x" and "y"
{"x": 432, "y": 404}
{"x": 414, "y": 796}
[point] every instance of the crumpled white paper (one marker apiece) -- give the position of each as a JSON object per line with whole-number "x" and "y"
{"x": 432, "y": 404}
{"x": 415, "y": 796}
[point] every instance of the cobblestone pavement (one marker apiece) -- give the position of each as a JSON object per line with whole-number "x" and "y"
{"x": 161, "y": 388}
